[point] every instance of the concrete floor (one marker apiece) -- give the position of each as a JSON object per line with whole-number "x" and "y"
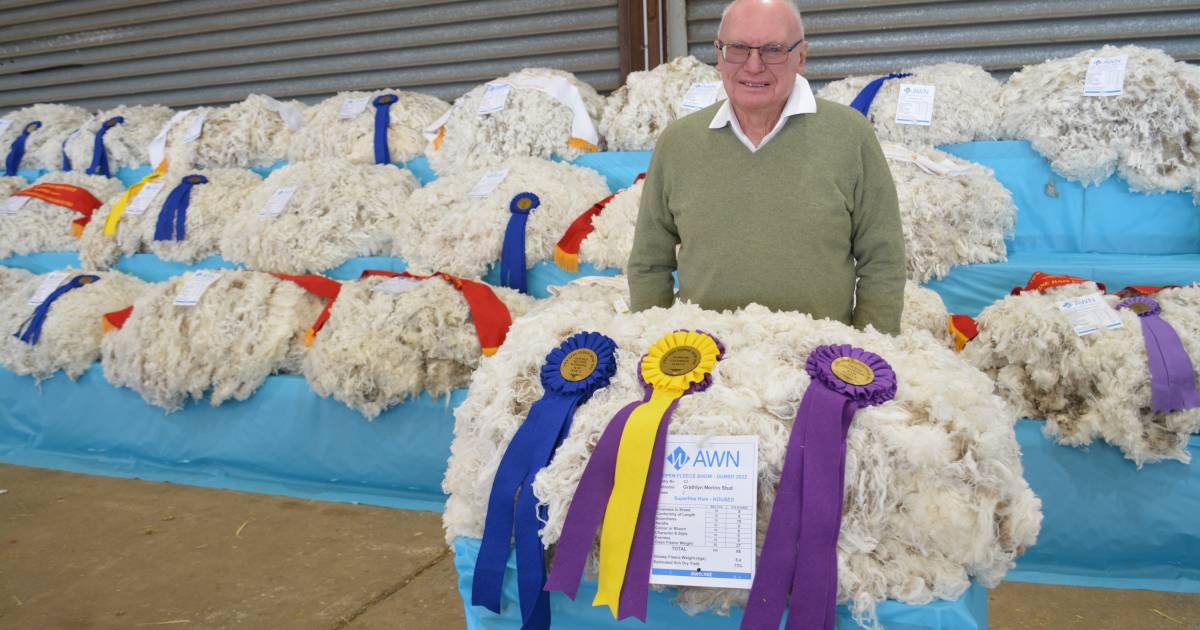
{"x": 84, "y": 552}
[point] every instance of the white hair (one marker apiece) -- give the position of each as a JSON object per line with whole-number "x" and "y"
{"x": 790, "y": 4}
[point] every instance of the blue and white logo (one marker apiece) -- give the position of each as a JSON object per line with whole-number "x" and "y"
{"x": 677, "y": 458}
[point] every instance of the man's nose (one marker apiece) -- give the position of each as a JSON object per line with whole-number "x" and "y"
{"x": 754, "y": 62}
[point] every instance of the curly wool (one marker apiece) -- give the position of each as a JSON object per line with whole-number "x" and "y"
{"x": 339, "y": 210}
{"x": 40, "y": 226}
{"x": 11, "y": 278}
{"x": 43, "y": 148}
{"x": 422, "y": 340}
{"x": 951, "y": 220}
{"x": 442, "y": 228}
{"x": 1090, "y": 387}
{"x": 326, "y": 135}
{"x": 247, "y": 326}
{"x": 1150, "y": 134}
{"x": 127, "y": 144}
{"x": 532, "y": 124}
{"x": 925, "y": 311}
{"x": 638, "y": 111}
{"x": 70, "y": 336}
{"x": 964, "y": 108}
{"x": 10, "y": 185}
{"x": 611, "y": 239}
{"x": 934, "y": 490}
{"x": 209, "y": 207}
{"x": 242, "y": 135}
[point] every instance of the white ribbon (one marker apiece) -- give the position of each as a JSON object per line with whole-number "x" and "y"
{"x": 288, "y": 112}
{"x": 945, "y": 168}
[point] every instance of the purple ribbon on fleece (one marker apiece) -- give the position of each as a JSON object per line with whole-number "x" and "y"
{"x": 1172, "y": 375}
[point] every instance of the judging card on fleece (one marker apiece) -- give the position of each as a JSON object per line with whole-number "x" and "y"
{"x": 141, "y": 202}
{"x": 700, "y": 95}
{"x": 4, "y": 124}
{"x": 352, "y": 107}
{"x": 1105, "y": 76}
{"x": 488, "y": 183}
{"x": 195, "y": 286}
{"x": 707, "y": 512}
{"x": 48, "y": 285}
{"x": 914, "y": 105}
{"x": 397, "y": 285}
{"x": 495, "y": 98}
{"x": 196, "y": 126}
{"x": 15, "y": 203}
{"x": 1090, "y": 314}
{"x": 277, "y": 202}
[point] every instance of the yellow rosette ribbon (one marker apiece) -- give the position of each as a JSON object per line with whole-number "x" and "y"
{"x": 676, "y": 364}
{"x": 118, "y": 208}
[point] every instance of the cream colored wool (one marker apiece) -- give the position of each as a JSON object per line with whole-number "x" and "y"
{"x": 951, "y": 220}
{"x": 11, "y": 279}
{"x": 1090, "y": 387}
{"x": 10, "y": 185}
{"x": 423, "y": 340}
{"x": 1150, "y": 134}
{"x": 126, "y": 144}
{"x": 247, "y": 326}
{"x": 242, "y": 135}
{"x": 443, "y": 229}
{"x": 339, "y": 210}
{"x": 326, "y": 135}
{"x": 209, "y": 207}
{"x": 925, "y": 311}
{"x": 533, "y": 124}
{"x": 637, "y": 112}
{"x": 934, "y": 491}
{"x": 43, "y": 148}
{"x": 611, "y": 239}
{"x": 964, "y": 107}
{"x": 40, "y": 226}
{"x": 70, "y": 337}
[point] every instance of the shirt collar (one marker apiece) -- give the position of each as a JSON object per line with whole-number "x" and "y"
{"x": 800, "y": 101}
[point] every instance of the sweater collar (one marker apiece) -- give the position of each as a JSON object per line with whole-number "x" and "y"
{"x": 800, "y": 101}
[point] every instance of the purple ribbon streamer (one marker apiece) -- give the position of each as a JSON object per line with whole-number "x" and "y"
{"x": 1172, "y": 374}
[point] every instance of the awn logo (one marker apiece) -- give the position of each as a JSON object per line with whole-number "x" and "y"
{"x": 677, "y": 458}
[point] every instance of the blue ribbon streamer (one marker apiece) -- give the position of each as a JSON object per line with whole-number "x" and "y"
{"x": 863, "y": 101}
{"x": 531, "y": 449}
{"x": 30, "y": 330}
{"x": 383, "y": 120}
{"x": 512, "y": 253}
{"x": 12, "y": 164}
{"x": 66, "y": 162}
{"x": 99, "y": 153}
{"x": 172, "y": 218}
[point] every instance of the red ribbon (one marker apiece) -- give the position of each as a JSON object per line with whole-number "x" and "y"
{"x": 1041, "y": 281}
{"x": 566, "y": 252}
{"x": 489, "y": 314}
{"x": 321, "y": 287}
{"x": 963, "y": 328}
{"x": 1135, "y": 290}
{"x": 116, "y": 319}
{"x": 66, "y": 196}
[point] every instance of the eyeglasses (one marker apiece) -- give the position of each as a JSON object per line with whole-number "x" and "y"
{"x": 769, "y": 53}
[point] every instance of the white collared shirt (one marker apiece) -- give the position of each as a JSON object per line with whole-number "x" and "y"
{"x": 801, "y": 101}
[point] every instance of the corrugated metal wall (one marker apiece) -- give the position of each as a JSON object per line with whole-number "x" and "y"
{"x": 878, "y": 36}
{"x": 99, "y": 53}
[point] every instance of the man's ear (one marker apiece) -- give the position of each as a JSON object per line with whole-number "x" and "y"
{"x": 803, "y": 50}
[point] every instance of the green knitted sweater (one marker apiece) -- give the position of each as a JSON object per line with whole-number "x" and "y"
{"x": 792, "y": 226}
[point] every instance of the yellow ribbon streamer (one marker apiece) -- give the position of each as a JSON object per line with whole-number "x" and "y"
{"x": 662, "y": 372}
{"x": 118, "y": 209}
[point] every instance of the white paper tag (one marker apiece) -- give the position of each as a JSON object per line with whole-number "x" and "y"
{"x": 705, "y": 526}
{"x": 495, "y": 97}
{"x": 1090, "y": 314}
{"x": 488, "y": 183}
{"x": 143, "y": 199}
{"x": 289, "y": 113}
{"x": 914, "y": 106}
{"x": 352, "y": 107}
{"x": 4, "y": 125}
{"x": 15, "y": 203}
{"x": 48, "y": 285}
{"x": 195, "y": 286}
{"x": 620, "y": 306}
{"x": 277, "y": 202}
{"x": 1105, "y": 76}
{"x": 158, "y": 146}
{"x": 397, "y": 285}
{"x": 700, "y": 95}
{"x": 196, "y": 126}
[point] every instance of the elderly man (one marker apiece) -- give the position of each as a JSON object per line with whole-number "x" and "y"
{"x": 771, "y": 196}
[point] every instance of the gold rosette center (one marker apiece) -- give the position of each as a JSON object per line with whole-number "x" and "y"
{"x": 680, "y": 359}
{"x": 1139, "y": 307}
{"x": 852, "y": 371}
{"x": 578, "y": 365}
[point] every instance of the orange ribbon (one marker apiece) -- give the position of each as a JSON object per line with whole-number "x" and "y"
{"x": 1041, "y": 281}
{"x": 489, "y": 314}
{"x": 116, "y": 319}
{"x": 963, "y": 328}
{"x": 566, "y": 252}
{"x": 66, "y": 196}
{"x": 1135, "y": 290}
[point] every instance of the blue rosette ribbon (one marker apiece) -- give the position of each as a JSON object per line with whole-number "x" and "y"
{"x": 172, "y": 218}
{"x": 30, "y": 331}
{"x": 512, "y": 253}
{"x": 383, "y": 120}
{"x": 16, "y": 151}
{"x": 99, "y": 164}
{"x": 1172, "y": 374}
{"x": 862, "y": 101}
{"x": 572, "y": 372}
{"x": 799, "y": 554}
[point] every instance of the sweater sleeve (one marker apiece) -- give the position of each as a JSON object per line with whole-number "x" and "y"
{"x": 652, "y": 259}
{"x": 878, "y": 244}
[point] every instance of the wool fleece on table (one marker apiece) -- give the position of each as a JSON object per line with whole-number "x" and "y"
{"x": 934, "y": 492}
{"x": 327, "y": 134}
{"x": 44, "y": 147}
{"x": 126, "y": 144}
{"x": 41, "y": 226}
{"x": 638, "y": 111}
{"x": 254, "y": 132}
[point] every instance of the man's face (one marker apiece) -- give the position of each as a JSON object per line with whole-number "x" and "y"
{"x": 754, "y": 85}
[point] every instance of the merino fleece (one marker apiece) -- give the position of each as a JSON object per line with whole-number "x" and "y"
{"x": 43, "y": 149}
{"x": 793, "y": 226}
{"x": 40, "y": 226}
{"x": 638, "y": 111}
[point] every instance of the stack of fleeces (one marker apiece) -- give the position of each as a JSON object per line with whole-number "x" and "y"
{"x": 254, "y": 132}
{"x": 638, "y": 111}
{"x": 934, "y": 492}
{"x": 43, "y": 147}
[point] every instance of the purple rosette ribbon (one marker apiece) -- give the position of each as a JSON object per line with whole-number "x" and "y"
{"x": 1172, "y": 375}
{"x": 799, "y": 554}
{"x": 591, "y": 500}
